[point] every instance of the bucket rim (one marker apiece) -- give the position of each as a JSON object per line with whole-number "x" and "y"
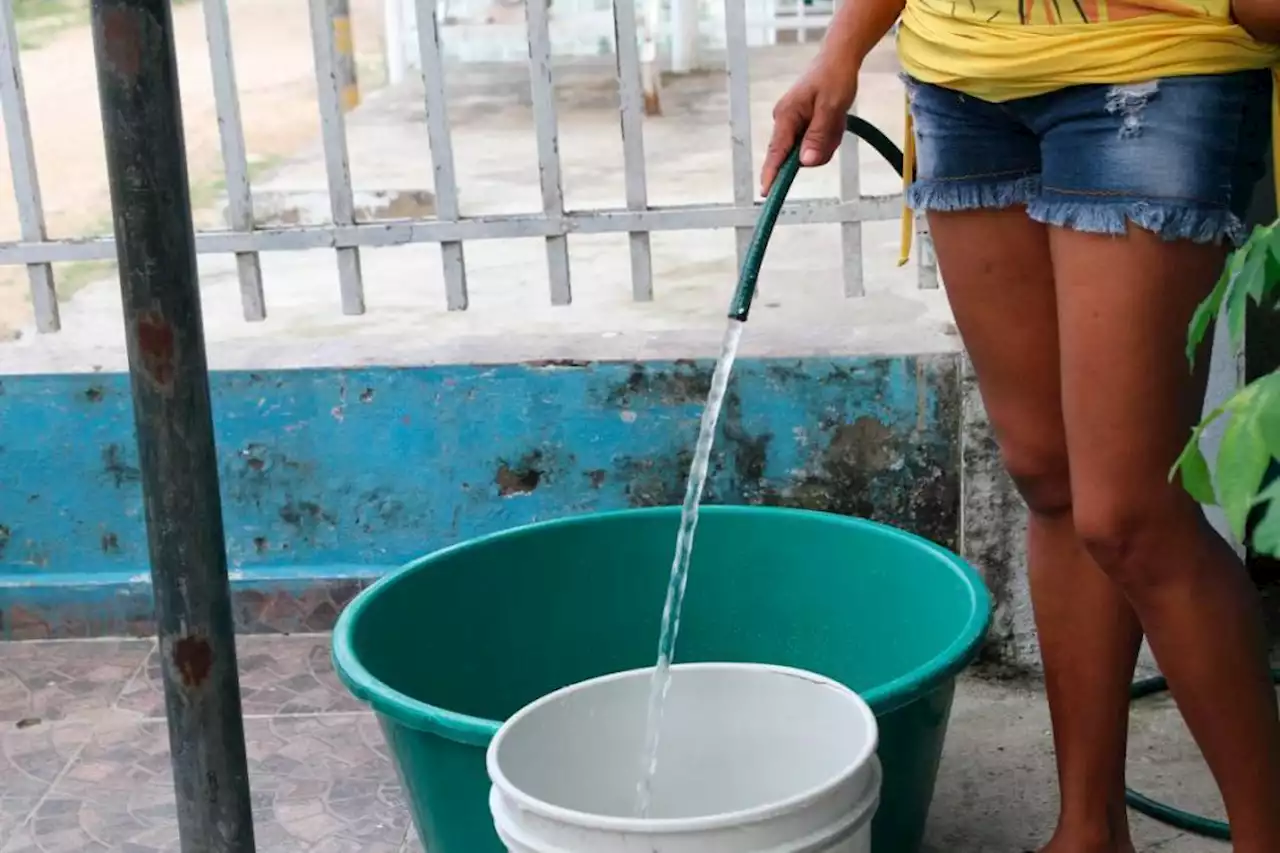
{"x": 702, "y": 823}
{"x": 462, "y": 728}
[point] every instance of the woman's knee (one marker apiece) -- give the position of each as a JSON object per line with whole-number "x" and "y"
{"x": 1138, "y": 541}
{"x": 1042, "y": 476}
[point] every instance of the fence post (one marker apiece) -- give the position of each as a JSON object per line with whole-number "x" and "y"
{"x": 155, "y": 245}
{"x": 22, "y": 163}
{"x": 345, "y": 43}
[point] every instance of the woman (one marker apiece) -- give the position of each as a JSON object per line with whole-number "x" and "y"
{"x": 1084, "y": 165}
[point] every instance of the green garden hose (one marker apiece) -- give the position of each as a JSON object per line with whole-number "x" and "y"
{"x": 1186, "y": 821}
{"x": 741, "y": 307}
{"x": 1166, "y": 814}
{"x": 746, "y": 291}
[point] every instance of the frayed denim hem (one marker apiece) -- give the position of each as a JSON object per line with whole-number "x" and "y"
{"x": 976, "y": 194}
{"x": 1169, "y": 221}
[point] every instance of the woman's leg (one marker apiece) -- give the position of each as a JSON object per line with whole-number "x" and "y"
{"x": 977, "y": 163}
{"x": 1159, "y": 169}
{"x": 996, "y": 264}
{"x": 1130, "y": 402}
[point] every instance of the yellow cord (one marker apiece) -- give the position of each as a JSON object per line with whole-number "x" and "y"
{"x": 908, "y": 176}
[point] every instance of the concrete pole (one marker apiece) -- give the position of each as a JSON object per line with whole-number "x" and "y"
{"x": 393, "y": 24}
{"x": 155, "y": 245}
{"x": 684, "y": 36}
{"x": 651, "y": 56}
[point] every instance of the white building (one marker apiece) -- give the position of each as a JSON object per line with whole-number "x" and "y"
{"x": 681, "y": 34}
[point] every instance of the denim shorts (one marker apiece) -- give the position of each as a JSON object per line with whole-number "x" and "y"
{"x": 1177, "y": 156}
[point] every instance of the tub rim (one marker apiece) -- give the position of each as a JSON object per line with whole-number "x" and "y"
{"x": 421, "y": 716}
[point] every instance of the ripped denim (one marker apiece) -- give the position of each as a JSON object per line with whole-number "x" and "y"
{"x": 1177, "y": 156}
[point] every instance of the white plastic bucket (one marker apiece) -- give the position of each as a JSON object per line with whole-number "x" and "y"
{"x": 753, "y": 759}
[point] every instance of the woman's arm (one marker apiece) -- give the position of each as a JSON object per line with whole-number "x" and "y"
{"x": 1260, "y": 17}
{"x": 859, "y": 25}
{"x": 817, "y": 104}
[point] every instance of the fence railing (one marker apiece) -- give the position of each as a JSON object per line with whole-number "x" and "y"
{"x": 450, "y": 228}
{"x": 26, "y": 181}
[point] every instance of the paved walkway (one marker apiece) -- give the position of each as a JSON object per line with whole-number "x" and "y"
{"x": 84, "y": 764}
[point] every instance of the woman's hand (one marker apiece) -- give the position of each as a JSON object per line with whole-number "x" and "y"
{"x": 1260, "y": 18}
{"x": 816, "y": 107}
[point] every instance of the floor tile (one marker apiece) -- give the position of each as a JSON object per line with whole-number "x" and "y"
{"x": 98, "y": 780}
{"x": 278, "y": 675}
{"x": 31, "y": 759}
{"x": 59, "y": 680}
{"x": 319, "y": 785}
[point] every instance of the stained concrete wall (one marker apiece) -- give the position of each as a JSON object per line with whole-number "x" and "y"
{"x": 331, "y": 477}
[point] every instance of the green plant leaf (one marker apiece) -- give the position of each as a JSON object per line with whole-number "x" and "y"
{"x": 1253, "y": 282}
{"x": 1196, "y": 478}
{"x": 1261, "y": 285}
{"x": 1207, "y": 312}
{"x": 1251, "y": 441}
{"x": 1243, "y": 459}
{"x": 1272, "y": 242}
{"x": 1267, "y": 390}
{"x": 1252, "y": 266}
{"x": 1253, "y": 272}
{"x": 1266, "y": 535}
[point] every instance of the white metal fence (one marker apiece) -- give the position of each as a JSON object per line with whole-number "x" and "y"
{"x": 450, "y": 228}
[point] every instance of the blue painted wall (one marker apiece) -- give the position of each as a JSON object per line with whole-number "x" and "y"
{"x": 333, "y": 476}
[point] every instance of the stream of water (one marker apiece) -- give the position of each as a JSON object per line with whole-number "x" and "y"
{"x": 661, "y": 683}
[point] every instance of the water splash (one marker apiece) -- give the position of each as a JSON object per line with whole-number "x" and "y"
{"x": 660, "y": 685}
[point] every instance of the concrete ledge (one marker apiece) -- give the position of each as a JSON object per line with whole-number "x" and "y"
{"x": 105, "y": 604}
{"x": 329, "y": 477}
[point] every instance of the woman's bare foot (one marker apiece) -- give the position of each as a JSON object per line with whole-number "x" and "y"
{"x": 1108, "y": 836}
{"x": 1063, "y": 845}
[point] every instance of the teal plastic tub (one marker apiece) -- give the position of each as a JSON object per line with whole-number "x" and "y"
{"x": 448, "y": 647}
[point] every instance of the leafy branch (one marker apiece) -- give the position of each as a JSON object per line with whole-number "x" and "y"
{"x": 1251, "y": 439}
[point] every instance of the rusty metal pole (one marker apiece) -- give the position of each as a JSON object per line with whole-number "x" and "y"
{"x": 155, "y": 245}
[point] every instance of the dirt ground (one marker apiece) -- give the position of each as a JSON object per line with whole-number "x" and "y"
{"x": 275, "y": 72}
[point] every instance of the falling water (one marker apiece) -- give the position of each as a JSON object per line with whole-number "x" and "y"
{"x": 661, "y": 683}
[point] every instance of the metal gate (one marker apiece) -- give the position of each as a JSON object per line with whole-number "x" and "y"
{"x": 450, "y": 228}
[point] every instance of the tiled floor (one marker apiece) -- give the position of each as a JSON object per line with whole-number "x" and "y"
{"x": 84, "y": 759}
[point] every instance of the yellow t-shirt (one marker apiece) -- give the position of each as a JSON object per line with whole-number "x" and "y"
{"x": 999, "y": 50}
